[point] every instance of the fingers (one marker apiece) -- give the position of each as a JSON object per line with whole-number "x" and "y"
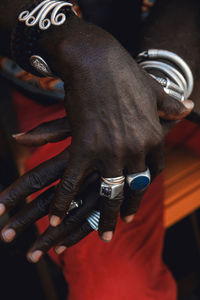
{"x": 67, "y": 190}
{"x": 137, "y": 181}
{"x": 72, "y": 222}
{"x": 75, "y": 237}
{"x": 52, "y": 239}
{"x": 155, "y": 163}
{"x": 48, "y": 239}
{"x": 109, "y": 210}
{"x": 111, "y": 200}
{"x": 131, "y": 204}
{"x": 172, "y": 109}
{"x": 32, "y": 181}
{"x": 48, "y": 132}
{"x": 31, "y": 213}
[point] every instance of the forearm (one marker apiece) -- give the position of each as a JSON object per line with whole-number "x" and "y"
{"x": 10, "y": 10}
{"x": 174, "y": 26}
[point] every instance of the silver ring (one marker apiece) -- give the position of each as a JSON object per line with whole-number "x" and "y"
{"x": 93, "y": 219}
{"x": 74, "y": 204}
{"x": 111, "y": 187}
{"x": 139, "y": 181}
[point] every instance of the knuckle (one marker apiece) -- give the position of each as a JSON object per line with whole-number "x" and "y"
{"x": 138, "y": 145}
{"x": 34, "y": 181}
{"x": 10, "y": 196}
{"x": 69, "y": 185}
{"x": 155, "y": 140}
{"x": 42, "y": 205}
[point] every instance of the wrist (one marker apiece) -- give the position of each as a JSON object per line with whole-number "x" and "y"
{"x": 78, "y": 50}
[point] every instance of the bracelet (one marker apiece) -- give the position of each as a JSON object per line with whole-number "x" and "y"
{"x": 31, "y": 23}
{"x": 178, "y": 80}
{"x": 93, "y": 219}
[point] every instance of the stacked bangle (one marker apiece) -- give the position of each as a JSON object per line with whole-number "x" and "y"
{"x": 177, "y": 80}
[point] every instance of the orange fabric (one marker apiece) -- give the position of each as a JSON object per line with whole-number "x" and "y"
{"x": 182, "y": 175}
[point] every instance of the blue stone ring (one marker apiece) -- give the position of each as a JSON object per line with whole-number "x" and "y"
{"x": 139, "y": 181}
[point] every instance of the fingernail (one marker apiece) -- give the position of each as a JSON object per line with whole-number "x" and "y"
{"x": 55, "y": 221}
{"x": 60, "y": 249}
{"x": 129, "y": 219}
{"x": 107, "y": 236}
{"x": 2, "y": 209}
{"x": 188, "y": 104}
{"x": 8, "y": 234}
{"x": 15, "y": 136}
{"x": 35, "y": 256}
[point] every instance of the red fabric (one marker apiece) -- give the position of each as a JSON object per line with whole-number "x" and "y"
{"x": 185, "y": 134}
{"x": 131, "y": 266}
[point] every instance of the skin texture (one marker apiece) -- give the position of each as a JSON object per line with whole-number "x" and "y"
{"x": 113, "y": 108}
{"x": 107, "y": 113}
{"x": 74, "y": 227}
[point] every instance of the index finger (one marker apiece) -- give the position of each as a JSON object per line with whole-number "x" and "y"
{"x": 34, "y": 180}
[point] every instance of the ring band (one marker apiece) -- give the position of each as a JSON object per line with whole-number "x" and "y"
{"x": 74, "y": 204}
{"x": 111, "y": 187}
{"x": 139, "y": 181}
{"x": 113, "y": 180}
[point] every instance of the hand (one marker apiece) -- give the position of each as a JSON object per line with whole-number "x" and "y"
{"x": 37, "y": 178}
{"x": 113, "y": 113}
{"x": 113, "y": 107}
{"x": 73, "y": 228}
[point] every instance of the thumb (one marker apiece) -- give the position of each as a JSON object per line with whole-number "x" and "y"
{"x": 172, "y": 109}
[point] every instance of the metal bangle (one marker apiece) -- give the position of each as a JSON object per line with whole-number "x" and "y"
{"x": 181, "y": 84}
{"x": 177, "y": 60}
{"x": 167, "y": 70}
{"x": 93, "y": 219}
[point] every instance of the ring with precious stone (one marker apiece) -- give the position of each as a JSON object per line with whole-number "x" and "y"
{"x": 111, "y": 187}
{"x": 139, "y": 181}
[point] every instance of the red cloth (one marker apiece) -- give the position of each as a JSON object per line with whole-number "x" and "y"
{"x": 130, "y": 267}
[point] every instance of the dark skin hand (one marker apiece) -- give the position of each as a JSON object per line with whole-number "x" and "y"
{"x": 117, "y": 124}
{"x": 75, "y": 226}
{"x": 113, "y": 107}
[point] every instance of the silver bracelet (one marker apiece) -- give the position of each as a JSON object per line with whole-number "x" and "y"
{"x": 45, "y": 14}
{"x": 178, "y": 80}
{"x": 93, "y": 219}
